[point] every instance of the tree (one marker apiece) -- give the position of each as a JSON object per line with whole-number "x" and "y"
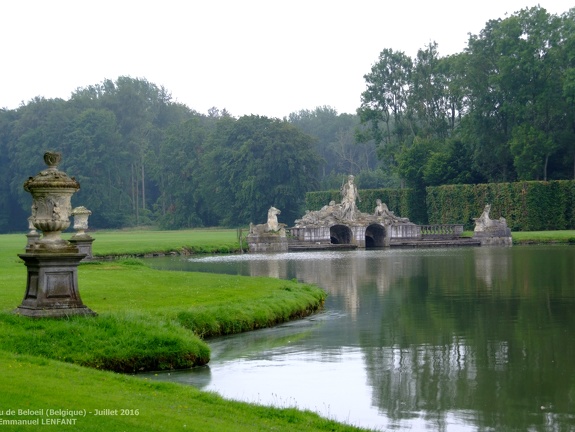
{"x": 178, "y": 170}
{"x": 531, "y": 149}
{"x": 94, "y": 156}
{"x": 386, "y": 98}
{"x": 516, "y": 67}
{"x": 255, "y": 163}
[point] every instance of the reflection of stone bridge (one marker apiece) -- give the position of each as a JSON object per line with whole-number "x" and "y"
{"x": 377, "y": 234}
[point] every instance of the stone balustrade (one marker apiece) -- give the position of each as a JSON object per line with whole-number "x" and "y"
{"x": 446, "y": 231}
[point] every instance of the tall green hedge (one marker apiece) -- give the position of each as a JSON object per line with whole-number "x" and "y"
{"x": 527, "y": 206}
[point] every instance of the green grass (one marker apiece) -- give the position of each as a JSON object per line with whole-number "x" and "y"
{"x": 142, "y": 242}
{"x": 30, "y": 382}
{"x": 148, "y": 319}
{"x": 531, "y": 237}
{"x": 567, "y": 236}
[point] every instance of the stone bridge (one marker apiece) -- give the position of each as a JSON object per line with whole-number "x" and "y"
{"x": 374, "y": 235}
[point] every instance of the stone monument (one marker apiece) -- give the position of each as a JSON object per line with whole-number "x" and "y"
{"x": 345, "y": 224}
{"x": 491, "y": 232}
{"x": 52, "y": 262}
{"x": 270, "y": 236}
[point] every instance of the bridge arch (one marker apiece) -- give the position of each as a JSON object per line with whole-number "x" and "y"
{"x": 374, "y": 236}
{"x": 340, "y": 234}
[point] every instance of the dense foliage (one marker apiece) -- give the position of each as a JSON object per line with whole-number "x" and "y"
{"x": 144, "y": 159}
{"x": 526, "y": 206}
{"x": 502, "y": 110}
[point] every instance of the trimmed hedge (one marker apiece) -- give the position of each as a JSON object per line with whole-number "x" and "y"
{"x": 527, "y": 206}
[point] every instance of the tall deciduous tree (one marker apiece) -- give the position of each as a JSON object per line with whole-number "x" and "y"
{"x": 255, "y": 163}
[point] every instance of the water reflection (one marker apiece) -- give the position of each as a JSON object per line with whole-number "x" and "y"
{"x": 448, "y": 339}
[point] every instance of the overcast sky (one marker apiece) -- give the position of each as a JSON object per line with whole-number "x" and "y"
{"x": 266, "y": 57}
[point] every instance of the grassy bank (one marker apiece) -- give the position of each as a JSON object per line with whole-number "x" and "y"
{"x": 533, "y": 237}
{"x": 148, "y": 320}
{"x": 128, "y": 403}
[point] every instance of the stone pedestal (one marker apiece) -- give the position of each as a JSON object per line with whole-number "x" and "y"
{"x": 33, "y": 238}
{"x": 52, "y": 286}
{"x": 494, "y": 238}
{"x": 267, "y": 243}
{"x": 84, "y": 245}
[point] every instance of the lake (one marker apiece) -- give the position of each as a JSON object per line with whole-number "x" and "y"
{"x": 446, "y": 339}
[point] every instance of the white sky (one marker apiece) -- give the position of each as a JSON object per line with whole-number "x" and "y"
{"x": 266, "y": 57}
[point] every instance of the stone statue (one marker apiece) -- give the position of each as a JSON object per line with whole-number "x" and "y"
{"x": 349, "y": 196}
{"x": 347, "y": 212}
{"x": 384, "y": 213}
{"x": 271, "y": 226}
{"x": 273, "y": 218}
{"x": 380, "y": 208}
{"x": 490, "y": 231}
{"x": 485, "y": 223}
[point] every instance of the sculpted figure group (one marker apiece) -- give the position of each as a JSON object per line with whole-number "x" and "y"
{"x": 347, "y": 212}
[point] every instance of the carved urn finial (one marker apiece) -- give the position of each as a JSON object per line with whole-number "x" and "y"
{"x": 52, "y": 159}
{"x": 51, "y": 192}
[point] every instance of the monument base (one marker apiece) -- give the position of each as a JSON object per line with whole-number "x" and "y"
{"x": 500, "y": 237}
{"x": 84, "y": 245}
{"x": 52, "y": 286}
{"x": 267, "y": 243}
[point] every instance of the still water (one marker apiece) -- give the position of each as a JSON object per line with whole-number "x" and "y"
{"x": 454, "y": 339}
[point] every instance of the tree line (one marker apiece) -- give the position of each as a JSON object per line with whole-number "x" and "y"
{"x": 143, "y": 159}
{"x": 500, "y": 111}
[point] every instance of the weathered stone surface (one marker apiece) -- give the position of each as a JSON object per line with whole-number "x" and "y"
{"x": 491, "y": 232}
{"x": 52, "y": 286}
{"x": 267, "y": 243}
{"x": 268, "y": 237}
{"x": 51, "y": 262}
{"x": 51, "y": 192}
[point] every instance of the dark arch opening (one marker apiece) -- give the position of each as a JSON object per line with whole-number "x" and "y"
{"x": 340, "y": 234}
{"x": 374, "y": 236}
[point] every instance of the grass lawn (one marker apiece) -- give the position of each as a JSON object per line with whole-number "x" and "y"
{"x": 147, "y": 320}
{"x": 141, "y": 242}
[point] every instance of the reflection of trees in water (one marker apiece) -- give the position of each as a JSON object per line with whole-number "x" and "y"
{"x": 493, "y": 341}
{"x": 343, "y": 276}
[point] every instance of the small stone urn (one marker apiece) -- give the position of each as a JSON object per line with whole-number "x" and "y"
{"x": 33, "y": 235}
{"x": 81, "y": 215}
{"x": 81, "y": 239}
{"x": 51, "y": 192}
